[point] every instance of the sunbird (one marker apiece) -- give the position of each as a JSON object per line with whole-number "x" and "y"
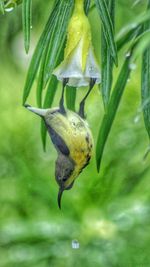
{"x": 72, "y": 138}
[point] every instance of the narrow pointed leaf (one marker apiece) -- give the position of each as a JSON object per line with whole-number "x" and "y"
{"x": 59, "y": 31}
{"x": 87, "y": 6}
{"x": 40, "y": 83}
{"x": 128, "y": 36}
{"x": 115, "y": 100}
{"x": 35, "y": 61}
{"x": 131, "y": 30}
{"x": 49, "y": 97}
{"x": 26, "y": 21}
{"x": 2, "y": 10}
{"x": 142, "y": 42}
{"x": 145, "y": 89}
{"x": 71, "y": 97}
{"x": 145, "y": 81}
{"x": 51, "y": 90}
{"x": 107, "y": 60}
{"x": 111, "y": 110}
{"x": 119, "y": 89}
{"x": 108, "y": 28}
{"x": 43, "y": 134}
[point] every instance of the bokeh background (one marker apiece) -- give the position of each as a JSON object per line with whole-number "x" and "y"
{"x": 108, "y": 214}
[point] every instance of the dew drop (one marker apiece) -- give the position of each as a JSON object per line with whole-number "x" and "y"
{"x": 136, "y": 119}
{"x": 75, "y": 244}
{"x": 128, "y": 54}
{"x": 132, "y": 66}
{"x": 9, "y": 9}
{"x": 9, "y": 6}
{"x": 134, "y": 25}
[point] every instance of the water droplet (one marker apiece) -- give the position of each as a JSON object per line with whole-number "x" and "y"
{"x": 75, "y": 244}
{"x": 9, "y": 6}
{"x": 128, "y": 80}
{"x": 128, "y": 54}
{"x": 132, "y": 66}
{"x": 134, "y": 25}
{"x": 9, "y": 9}
{"x": 136, "y": 119}
{"x": 31, "y": 27}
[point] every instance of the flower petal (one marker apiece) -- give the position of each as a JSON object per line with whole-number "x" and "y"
{"x": 72, "y": 68}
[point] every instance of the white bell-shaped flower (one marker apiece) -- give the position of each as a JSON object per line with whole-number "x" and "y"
{"x": 79, "y": 64}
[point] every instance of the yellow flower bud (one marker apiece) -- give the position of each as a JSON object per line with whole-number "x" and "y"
{"x": 79, "y": 64}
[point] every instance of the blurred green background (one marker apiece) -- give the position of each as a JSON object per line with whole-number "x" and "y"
{"x": 107, "y": 213}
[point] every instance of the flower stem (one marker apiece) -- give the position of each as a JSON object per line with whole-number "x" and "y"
{"x": 79, "y": 6}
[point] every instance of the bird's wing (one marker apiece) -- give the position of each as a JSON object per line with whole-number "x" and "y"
{"x": 58, "y": 141}
{"x": 69, "y": 139}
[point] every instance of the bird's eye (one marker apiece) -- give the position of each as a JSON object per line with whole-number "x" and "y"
{"x": 64, "y": 179}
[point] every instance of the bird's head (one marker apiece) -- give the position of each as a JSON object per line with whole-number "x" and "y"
{"x": 64, "y": 174}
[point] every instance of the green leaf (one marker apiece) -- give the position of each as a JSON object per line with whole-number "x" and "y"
{"x": 145, "y": 89}
{"x": 141, "y": 44}
{"x": 108, "y": 28}
{"x": 128, "y": 36}
{"x": 2, "y": 10}
{"x": 112, "y": 109}
{"x": 40, "y": 83}
{"x": 131, "y": 30}
{"x": 115, "y": 100}
{"x": 51, "y": 90}
{"x": 49, "y": 97}
{"x": 26, "y": 21}
{"x": 107, "y": 60}
{"x": 70, "y": 97}
{"x": 87, "y": 6}
{"x": 58, "y": 35}
{"x": 145, "y": 81}
{"x": 36, "y": 58}
{"x": 43, "y": 134}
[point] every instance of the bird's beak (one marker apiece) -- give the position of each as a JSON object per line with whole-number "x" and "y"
{"x": 60, "y": 196}
{"x": 39, "y": 111}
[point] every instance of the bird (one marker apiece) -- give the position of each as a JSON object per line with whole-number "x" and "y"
{"x": 72, "y": 139}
